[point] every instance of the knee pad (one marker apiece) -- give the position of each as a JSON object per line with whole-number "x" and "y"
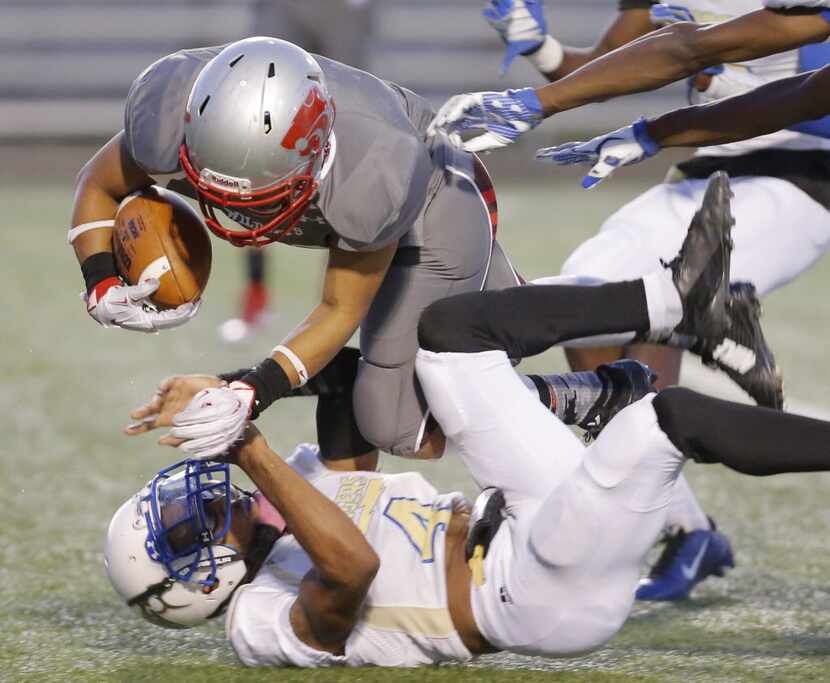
{"x": 633, "y": 461}
{"x": 337, "y": 433}
{"x": 389, "y": 407}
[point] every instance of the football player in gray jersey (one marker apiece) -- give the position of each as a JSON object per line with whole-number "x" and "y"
{"x": 280, "y": 146}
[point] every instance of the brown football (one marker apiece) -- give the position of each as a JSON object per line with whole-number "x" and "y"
{"x": 158, "y": 234}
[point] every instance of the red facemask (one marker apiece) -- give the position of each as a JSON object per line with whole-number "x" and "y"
{"x": 286, "y": 201}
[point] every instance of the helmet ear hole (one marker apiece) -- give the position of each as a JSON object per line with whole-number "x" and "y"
{"x": 272, "y": 71}
{"x": 203, "y": 105}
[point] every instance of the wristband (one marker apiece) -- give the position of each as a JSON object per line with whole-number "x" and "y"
{"x": 83, "y": 227}
{"x": 548, "y": 57}
{"x": 295, "y": 361}
{"x": 269, "y": 382}
{"x": 641, "y": 135}
{"x": 97, "y": 268}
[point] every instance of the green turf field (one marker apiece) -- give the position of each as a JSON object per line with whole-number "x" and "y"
{"x": 68, "y": 386}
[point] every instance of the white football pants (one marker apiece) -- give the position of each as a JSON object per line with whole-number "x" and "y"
{"x": 779, "y": 233}
{"x": 561, "y": 572}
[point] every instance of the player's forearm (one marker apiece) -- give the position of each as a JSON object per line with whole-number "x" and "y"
{"x": 100, "y": 186}
{"x": 337, "y": 548}
{"x": 628, "y": 25}
{"x": 319, "y": 338}
{"x": 678, "y": 51}
{"x": 767, "y": 109}
{"x": 620, "y": 72}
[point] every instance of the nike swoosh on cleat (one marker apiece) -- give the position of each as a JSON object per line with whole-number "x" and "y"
{"x": 690, "y": 571}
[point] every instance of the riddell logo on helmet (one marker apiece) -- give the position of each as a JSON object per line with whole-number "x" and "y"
{"x": 225, "y": 182}
{"x": 310, "y": 123}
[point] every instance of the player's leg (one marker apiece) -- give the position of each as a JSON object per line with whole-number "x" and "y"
{"x": 749, "y": 439}
{"x": 466, "y": 341}
{"x": 561, "y": 580}
{"x": 503, "y": 433}
{"x": 640, "y": 233}
{"x": 456, "y": 253}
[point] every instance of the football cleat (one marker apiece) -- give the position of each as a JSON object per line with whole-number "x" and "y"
{"x": 743, "y": 354}
{"x": 688, "y": 559}
{"x": 625, "y": 382}
{"x": 701, "y": 270}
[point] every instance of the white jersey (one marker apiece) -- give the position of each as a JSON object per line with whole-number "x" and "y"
{"x": 406, "y": 619}
{"x": 743, "y": 76}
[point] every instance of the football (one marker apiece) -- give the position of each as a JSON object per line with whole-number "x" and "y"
{"x": 158, "y": 234}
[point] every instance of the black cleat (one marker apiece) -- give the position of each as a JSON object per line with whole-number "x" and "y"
{"x": 701, "y": 270}
{"x": 624, "y": 382}
{"x": 743, "y": 354}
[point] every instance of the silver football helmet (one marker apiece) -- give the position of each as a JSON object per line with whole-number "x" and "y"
{"x": 165, "y": 555}
{"x": 257, "y": 129}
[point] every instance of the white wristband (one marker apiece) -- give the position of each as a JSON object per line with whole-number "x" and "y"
{"x": 83, "y": 227}
{"x": 295, "y": 361}
{"x": 547, "y": 58}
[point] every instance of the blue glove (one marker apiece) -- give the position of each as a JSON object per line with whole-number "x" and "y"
{"x": 520, "y": 24}
{"x": 503, "y": 116}
{"x": 664, "y": 15}
{"x": 608, "y": 152}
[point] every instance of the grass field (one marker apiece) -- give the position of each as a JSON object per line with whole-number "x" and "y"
{"x": 68, "y": 386}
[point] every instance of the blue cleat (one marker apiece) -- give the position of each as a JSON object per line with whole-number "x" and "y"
{"x": 687, "y": 560}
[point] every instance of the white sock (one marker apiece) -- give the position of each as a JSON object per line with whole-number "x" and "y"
{"x": 665, "y": 310}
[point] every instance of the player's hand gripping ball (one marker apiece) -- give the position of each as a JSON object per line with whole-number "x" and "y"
{"x": 159, "y": 236}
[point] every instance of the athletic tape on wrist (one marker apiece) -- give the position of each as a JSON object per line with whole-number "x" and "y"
{"x": 294, "y": 360}
{"x": 73, "y": 233}
{"x": 548, "y": 58}
{"x": 270, "y": 382}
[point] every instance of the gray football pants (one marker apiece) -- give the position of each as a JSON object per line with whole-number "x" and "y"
{"x": 459, "y": 255}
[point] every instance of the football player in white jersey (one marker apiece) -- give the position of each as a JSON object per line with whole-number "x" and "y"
{"x": 774, "y": 180}
{"x": 549, "y": 564}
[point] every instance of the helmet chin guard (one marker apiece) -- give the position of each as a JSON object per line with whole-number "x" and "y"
{"x": 257, "y": 131}
{"x": 286, "y": 201}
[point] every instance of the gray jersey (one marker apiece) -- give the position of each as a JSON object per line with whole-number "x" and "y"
{"x": 382, "y": 173}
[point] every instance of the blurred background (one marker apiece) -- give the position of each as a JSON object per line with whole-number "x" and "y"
{"x": 66, "y": 65}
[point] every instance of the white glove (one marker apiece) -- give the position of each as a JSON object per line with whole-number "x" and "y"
{"x": 214, "y": 420}
{"x": 504, "y": 116}
{"x": 607, "y": 152}
{"x": 114, "y": 304}
{"x": 520, "y": 24}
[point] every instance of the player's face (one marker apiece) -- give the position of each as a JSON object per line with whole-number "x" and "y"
{"x": 182, "y": 535}
{"x": 243, "y": 518}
